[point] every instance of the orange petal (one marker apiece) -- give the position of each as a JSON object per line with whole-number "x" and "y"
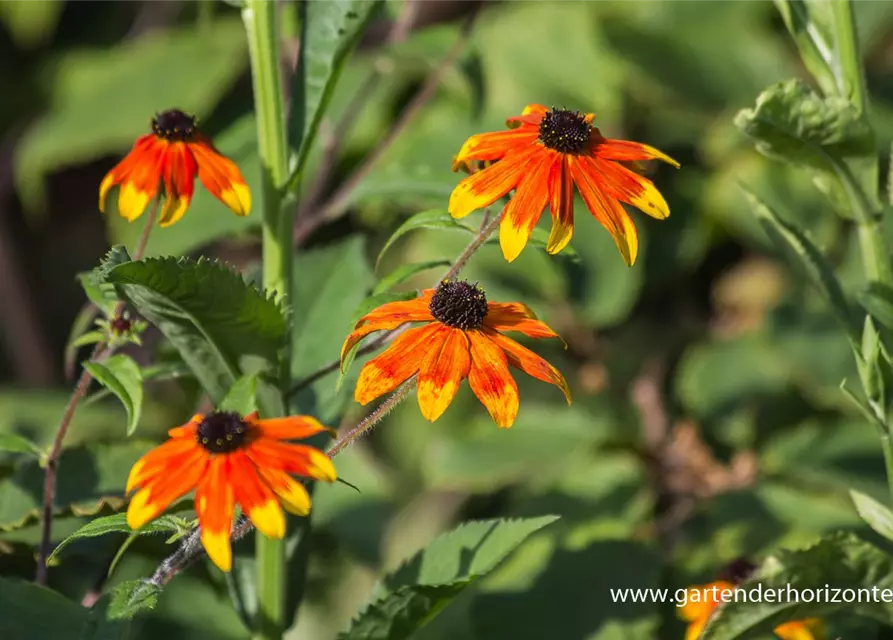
{"x": 291, "y": 427}
{"x": 485, "y": 187}
{"x": 148, "y": 503}
{"x": 628, "y": 186}
{"x": 256, "y": 499}
{"x": 693, "y": 631}
{"x": 531, "y": 115}
{"x": 298, "y": 459}
{"x": 526, "y": 206}
{"x": 701, "y": 600}
{"x": 396, "y": 364}
{"x": 440, "y": 373}
{"x": 139, "y": 183}
{"x": 293, "y": 494}
{"x": 626, "y": 151}
{"x": 179, "y": 182}
{"x": 530, "y": 363}
{"x": 145, "y": 150}
{"x": 491, "y": 381}
{"x": 387, "y": 317}
{"x": 514, "y": 316}
{"x": 215, "y": 504}
{"x": 493, "y": 146}
{"x": 161, "y": 457}
{"x": 561, "y": 200}
{"x": 187, "y": 430}
{"x": 222, "y": 178}
{"x": 810, "y": 629}
{"x": 606, "y": 210}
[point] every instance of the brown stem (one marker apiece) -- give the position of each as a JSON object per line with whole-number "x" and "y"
{"x": 338, "y": 200}
{"x": 372, "y": 419}
{"x": 52, "y": 462}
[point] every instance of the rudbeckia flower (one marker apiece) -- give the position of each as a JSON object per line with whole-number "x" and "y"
{"x": 542, "y": 156}
{"x": 174, "y": 153}
{"x": 230, "y": 460}
{"x": 461, "y": 338}
{"x": 701, "y": 600}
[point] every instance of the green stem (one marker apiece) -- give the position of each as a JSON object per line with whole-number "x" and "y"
{"x": 261, "y": 26}
{"x": 849, "y": 75}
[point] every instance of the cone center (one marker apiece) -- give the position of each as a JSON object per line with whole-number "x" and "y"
{"x": 459, "y": 304}
{"x": 174, "y": 125}
{"x": 565, "y": 131}
{"x": 222, "y": 432}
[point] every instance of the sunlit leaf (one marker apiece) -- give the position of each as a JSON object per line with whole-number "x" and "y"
{"x": 117, "y": 523}
{"x": 875, "y": 515}
{"x": 122, "y": 376}
{"x": 404, "y": 272}
{"x": 432, "y": 219}
{"x": 17, "y": 444}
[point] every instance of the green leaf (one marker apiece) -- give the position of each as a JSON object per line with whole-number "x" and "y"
{"x": 875, "y": 515}
{"x": 122, "y": 376}
{"x": 809, "y": 259}
{"x": 242, "y": 397}
{"x": 841, "y": 560}
{"x": 329, "y": 31}
{"x": 877, "y": 299}
{"x": 809, "y": 23}
{"x": 91, "y": 337}
{"x": 431, "y": 219}
{"x": 132, "y": 597}
{"x": 408, "y": 598}
{"x": 221, "y": 326}
{"x": 101, "y": 295}
{"x": 17, "y": 444}
{"x": 404, "y": 272}
{"x": 117, "y": 523}
{"x": 122, "y": 87}
{"x": 163, "y": 371}
{"x": 791, "y": 122}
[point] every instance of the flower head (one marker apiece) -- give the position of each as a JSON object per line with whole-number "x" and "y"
{"x": 542, "y": 156}
{"x": 702, "y": 600}
{"x": 174, "y": 153}
{"x": 461, "y": 338}
{"x": 228, "y": 459}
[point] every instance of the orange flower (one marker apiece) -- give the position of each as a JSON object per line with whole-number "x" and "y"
{"x": 229, "y": 460}
{"x": 543, "y": 155}
{"x": 461, "y": 339}
{"x": 701, "y": 600}
{"x": 174, "y": 153}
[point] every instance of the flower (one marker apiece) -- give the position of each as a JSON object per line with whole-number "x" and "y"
{"x": 174, "y": 153}
{"x": 461, "y": 339}
{"x": 227, "y": 460}
{"x": 543, "y": 155}
{"x": 702, "y": 600}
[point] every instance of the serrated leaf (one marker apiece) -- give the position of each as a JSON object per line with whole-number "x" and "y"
{"x": 101, "y": 295}
{"x": 117, "y": 523}
{"x": 841, "y": 560}
{"x": 131, "y": 597}
{"x": 221, "y": 326}
{"x": 242, "y": 397}
{"x": 875, "y": 515}
{"x": 408, "y": 598}
{"x": 792, "y": 123}
{"x": 115, "y": 257}
{"x": 404, "y": 272}
{"x": 810, "y": 260}
{"x": 17, "y": 444}
{"x": 431, "y": 219}
{"x": 122, "y": 376}
{"x": 329, "y": 30}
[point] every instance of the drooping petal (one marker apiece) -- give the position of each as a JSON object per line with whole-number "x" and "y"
{"x": 298, "y": 459}
{"x": 531, "y": 115}
{"x": 254, "y": 496}
{"x": 165, "y": 456}
{"x": 179, "y": 182}
{"x": 491, "y": 381}
{"x": 291, "y": 427}
{"x": 526, "y": 206}
{"x": 387, "y": 317}
{"x": 624, "y": 150}
{"x": 693, "y": 631}
{"x": 221, "y": 177}
{"x": 146, "y": 149}
{"x": 561, "y": 200}
{"x": 187, "y": 430}
{"x": 215, "y": 504}
{"x": 514, "y": 316}
{"x": 397, "y": 363}
{"x": 530, "y": 363}
{"x": 441, "y": 371}
{"x": 485, "y": 187}
{"x": 629, "y": 187}
{"x": 292, "y": 493}
{"x": 148, "y": 503}
{"x": 809, "y": 629}
{"x": 607, "y": 211}
{"x": 493, "y": 145}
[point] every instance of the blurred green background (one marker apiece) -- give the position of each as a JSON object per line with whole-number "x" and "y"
{"x": 707, "y": 422}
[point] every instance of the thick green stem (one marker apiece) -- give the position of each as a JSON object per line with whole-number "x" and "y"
{"x": 849, "y": 75}
{"x": 261, "y": 26}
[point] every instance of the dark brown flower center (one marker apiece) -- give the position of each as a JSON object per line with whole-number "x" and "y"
{"x": 459, "y": 304}
{"x": 565, "y": 131}
{"x": 738, "y": 570}
{"x": 174, "y": 125}
{"x": 222, "y": 432}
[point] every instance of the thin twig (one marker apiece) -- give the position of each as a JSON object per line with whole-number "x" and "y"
{"x": 338, "y": 200}
{"x": 364, "y": 425}
{"x": 100, "y": 351}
